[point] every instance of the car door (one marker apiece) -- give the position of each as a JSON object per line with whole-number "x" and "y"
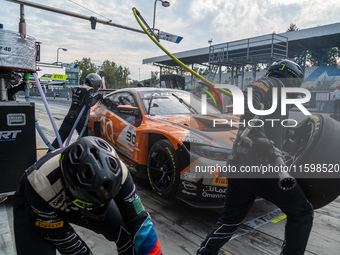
{"x": 122, "y": 123}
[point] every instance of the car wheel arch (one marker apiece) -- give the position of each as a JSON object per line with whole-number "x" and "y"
{"x": 153, "y": 138}
{"x": 163, "y": 169}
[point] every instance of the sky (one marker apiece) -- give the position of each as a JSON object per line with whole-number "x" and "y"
{"x": 197, "y": 21}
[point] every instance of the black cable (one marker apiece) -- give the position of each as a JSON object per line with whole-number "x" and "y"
{"x": 91, "y": 10}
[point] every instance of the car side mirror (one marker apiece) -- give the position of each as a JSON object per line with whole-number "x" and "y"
{"x": 128, "y": 110}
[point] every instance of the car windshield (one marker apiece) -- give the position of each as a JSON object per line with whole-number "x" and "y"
{"x": 173, "y": 103}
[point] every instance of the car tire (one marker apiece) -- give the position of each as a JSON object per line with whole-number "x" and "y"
{"x": 321, "y": 147}
{"x": 162, "y": 169}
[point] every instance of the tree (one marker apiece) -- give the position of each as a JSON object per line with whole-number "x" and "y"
{"x": 324, "y": 56}
{"x": 85, "y": 67}
{"x": 154, "y": 76}
{"x": 108, "y": 70}
{"x": 315, "y": 56}
{"x": 115, "y": 76}
{"x": 292, "y": 27}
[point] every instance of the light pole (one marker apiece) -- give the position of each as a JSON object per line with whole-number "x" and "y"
{"x": 58, "y": 53}
{"x": 210, "y": 42}
{"x": 164, "y": 4}
{"x": 210, "y": 50}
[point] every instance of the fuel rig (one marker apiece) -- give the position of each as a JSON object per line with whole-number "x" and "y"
{"x": 19, "y": 54}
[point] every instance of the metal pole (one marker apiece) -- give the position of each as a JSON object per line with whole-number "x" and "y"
{"x": 48, "y": 109}
{"x": 22, "y": 24}
{"x": 242, "y": 76}
{"x": 154, "y": 15}
{"x": 58, "y": 55}
{"x": 220, "y": 74}
{"x": 73, "y": 14}
{"x": 64, "y": 49}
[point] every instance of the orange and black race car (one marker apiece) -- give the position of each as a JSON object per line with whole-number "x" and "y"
{"x": 161, "y": 135}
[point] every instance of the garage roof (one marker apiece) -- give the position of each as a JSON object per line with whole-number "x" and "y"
{"x": 311, "y": 38}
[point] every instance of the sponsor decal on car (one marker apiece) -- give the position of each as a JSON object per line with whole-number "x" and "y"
{"x": 188, "y": 139}
{"x": 213, "y": 192}
{"x": 189, "y": 185}
{"x": 220, "y": 181}
{"x": 189, "y": 193}
{"x": 182, "y": 120}
{"x": 133, "y": 120}
{"x": 189, "y": 175}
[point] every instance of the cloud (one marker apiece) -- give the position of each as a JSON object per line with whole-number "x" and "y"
{"x": 196, "y": 20}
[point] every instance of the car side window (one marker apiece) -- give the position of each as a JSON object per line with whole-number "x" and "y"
{"x": 110, "y": 102}
{"x": 124, "y": 98}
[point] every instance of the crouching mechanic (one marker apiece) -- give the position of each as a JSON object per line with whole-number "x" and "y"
{"x": 266, "y": 148}
{"x": 83, "y": 95}
{"x": 85, "y": 184}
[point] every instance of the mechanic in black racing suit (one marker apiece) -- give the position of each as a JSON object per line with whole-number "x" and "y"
{"x": 87, "y": 95}
{"x": 267, "y": 144}
{"x": 84, "y": 184}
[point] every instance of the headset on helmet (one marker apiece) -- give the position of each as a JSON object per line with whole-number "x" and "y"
{"x": 94, "y": 81}
{"x": 284, "y": 68}
{"x": 91, "y": 171}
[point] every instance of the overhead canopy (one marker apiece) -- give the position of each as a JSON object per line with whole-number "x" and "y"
{"x": 265, "y": 48}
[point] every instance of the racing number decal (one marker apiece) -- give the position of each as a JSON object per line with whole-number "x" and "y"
{"x": 130, "y": 137}
{"x": 127, "y": 137}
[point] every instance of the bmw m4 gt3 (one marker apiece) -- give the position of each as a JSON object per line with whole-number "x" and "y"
{"x": 161, "y": 135}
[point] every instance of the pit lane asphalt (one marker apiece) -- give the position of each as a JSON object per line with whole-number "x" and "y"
{"x": 181, "y": 228}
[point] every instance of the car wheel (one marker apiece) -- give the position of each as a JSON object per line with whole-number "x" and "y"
{"x": 162, "y": 168}
{"x": 318, "y": 145}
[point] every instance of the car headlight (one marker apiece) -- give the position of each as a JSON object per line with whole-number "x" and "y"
{"x": 207, "y": 151}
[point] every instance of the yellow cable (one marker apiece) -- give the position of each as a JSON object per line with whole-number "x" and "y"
{"x": 176, "y": 59}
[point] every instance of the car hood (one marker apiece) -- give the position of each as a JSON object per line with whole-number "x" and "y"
{"x": 203, "y": 129}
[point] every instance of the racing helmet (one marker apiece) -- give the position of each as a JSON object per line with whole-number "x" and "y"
{"x": 94, "y": 81}
{"x": 91, "y": 171}
{"x": 285, "y": 68}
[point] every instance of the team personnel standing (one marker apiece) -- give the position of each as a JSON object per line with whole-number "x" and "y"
{"x": 16, "y": 85}
{"x": 242, "y": 192}
{"x": 84, "y": 184}
{"x": 336, "y": 97}
{"x": 83, "y": 95}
